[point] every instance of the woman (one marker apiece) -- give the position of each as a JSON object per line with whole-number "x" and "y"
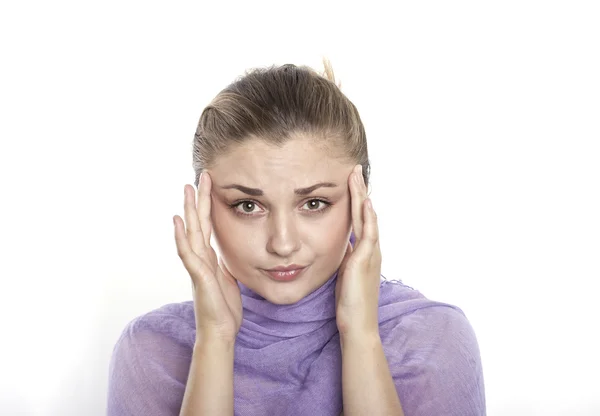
{"x": 294, "y": 318}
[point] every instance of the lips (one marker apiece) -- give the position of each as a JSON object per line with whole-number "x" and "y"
{"x": 286, "y": 274}
{"x": 285, "y": 268}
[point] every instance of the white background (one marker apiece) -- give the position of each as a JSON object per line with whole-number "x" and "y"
{"x": 483, "y": 121}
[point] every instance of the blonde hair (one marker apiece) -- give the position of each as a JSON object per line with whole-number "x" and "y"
{"x": 276, "y": 103}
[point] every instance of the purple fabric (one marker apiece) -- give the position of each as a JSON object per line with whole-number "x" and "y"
{"x": 288, "y": 360}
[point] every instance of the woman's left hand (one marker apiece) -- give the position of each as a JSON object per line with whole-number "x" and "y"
{"x": 357, "y": 286}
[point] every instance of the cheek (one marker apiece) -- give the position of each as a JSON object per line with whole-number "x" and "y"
{"x": 225, "y": 231}
{"x": 237, "y": 240}
{"x": 238, "y": 236}
{"x": 333, "y": 232}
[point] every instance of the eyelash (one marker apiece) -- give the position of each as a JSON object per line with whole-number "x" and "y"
{"x": 312, "y": 211}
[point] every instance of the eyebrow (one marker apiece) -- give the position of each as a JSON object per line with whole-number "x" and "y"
{"x": 299, "y": 191}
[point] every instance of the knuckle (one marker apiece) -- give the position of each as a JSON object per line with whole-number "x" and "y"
{"x": 372, "y": 238}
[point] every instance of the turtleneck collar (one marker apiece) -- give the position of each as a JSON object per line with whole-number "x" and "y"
{"x": 317, "y": 306}
{"x": 306, "y": 315}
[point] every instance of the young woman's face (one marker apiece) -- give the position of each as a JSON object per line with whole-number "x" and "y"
{"x": 260, "y": 222}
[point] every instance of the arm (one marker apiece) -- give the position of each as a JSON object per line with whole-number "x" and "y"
{"x": 367, "y": 385}
{"x": 434, "y": 359}
{"x": 209, "y": 388}
{"x": 149, "y": 366}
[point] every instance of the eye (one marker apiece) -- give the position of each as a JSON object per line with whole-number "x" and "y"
{"x": 316, "y": 205}
{"x": 246, "y": 208}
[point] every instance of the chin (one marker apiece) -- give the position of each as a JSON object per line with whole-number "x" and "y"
{"x": 288, "y": 293}
{"x": 277, "y": 294}
{"x": 284, "y": 299}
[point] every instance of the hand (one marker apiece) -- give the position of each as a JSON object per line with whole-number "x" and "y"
{"x": 357, "y": 286}
{"x": 217, "y": 298}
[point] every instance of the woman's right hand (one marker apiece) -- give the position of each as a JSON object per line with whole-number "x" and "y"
{"x": 217, "y": 298}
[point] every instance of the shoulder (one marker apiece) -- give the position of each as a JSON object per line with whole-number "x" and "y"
{"x": 416, "y": 328}
{"x": 432, "y": 330}
{"x": 155, "y": 343}
{"x": 404, "y": 308}
{"x": 150, "y": 362}
{"x": 434, "y": 358}
{"x": 174, "y": 321}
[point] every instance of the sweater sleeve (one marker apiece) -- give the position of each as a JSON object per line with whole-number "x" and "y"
{"x": 148, "y": 371}
{"x": 435, "y": 362}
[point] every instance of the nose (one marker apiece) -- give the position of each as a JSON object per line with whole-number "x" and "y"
{"x": 284, "y": 239}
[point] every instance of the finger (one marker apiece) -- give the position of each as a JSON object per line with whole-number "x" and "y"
{"x": 180, "y": 241}
{"x": 357, "y": 198}
{"x": 225, "y": 273}
{"x": 193, "y": 230}
{"x": 369, "y": 243}
{"x": 204, "y": 206}
{"x": 370, "y": 228}
{"x": 184, "y": 250}
{"x": 347, "y": 255}
{"x": 227, "y": 281}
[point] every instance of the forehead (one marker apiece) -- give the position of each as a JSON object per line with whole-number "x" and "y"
{"x": 299, "y": 159}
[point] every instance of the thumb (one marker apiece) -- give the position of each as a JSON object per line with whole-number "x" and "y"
{"x": 224, "y": 275}
{"x": 347, "y": 255}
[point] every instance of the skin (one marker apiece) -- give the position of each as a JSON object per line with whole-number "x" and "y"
{"x": 283, "y": 228}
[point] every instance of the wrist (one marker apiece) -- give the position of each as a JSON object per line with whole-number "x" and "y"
{"x": 364, "y": 338}
{"x": 214, "y": 343}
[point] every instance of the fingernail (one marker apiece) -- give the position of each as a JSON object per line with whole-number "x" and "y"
{"x": 200, "y": 180}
